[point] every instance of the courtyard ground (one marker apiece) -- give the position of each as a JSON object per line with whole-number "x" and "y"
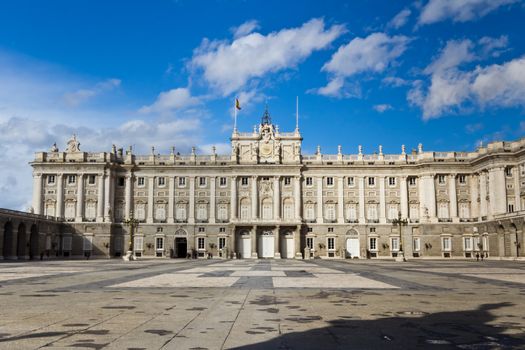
{"x": 262, "y": 304}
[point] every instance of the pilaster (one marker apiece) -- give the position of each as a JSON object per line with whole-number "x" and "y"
{"x": 171, "y": 199}
{"x": 151, "y": 185}
{"x": 80, "y": 198}
{"x": 340, "y": 200}
{"x": 212, "y": 199}
{"x": 320, "y": 203}
{"x": 453, "y": 197}
{"x": 361, "y": 183}
{"x": 382, "y": 200}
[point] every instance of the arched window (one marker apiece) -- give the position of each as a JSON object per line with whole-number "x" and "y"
{"x": 414, "y": 211}
{"x": 91, "y": 210}
{"x": 267, "y": 209}
{"x": 160, "y": 212}
{"x": 330, "y": 211}
{"x": 140, "y": 211}
{"x": 464, "y": 212}
{"x": 50, "y": 209}
{"x": 392, "y": 211}
{"x": 222, "y": 212}
{"x": 180, "y": 212}
{"x": 245, "y": 209}
{"x": 372, "y": 211}
{"x": 69, "y": 212}
{"x": 309, "y": 211}
{"x": 443, "y": 210}
{"x": 351, "y": 212}
{"x": 202, "y": 211}
{"x": 288, "y": 209}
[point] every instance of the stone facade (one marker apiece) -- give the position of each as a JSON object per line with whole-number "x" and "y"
{"x": 267, "y": 199}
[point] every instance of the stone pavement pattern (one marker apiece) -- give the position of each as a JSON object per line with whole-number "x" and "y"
{"x": 262, "y": 304}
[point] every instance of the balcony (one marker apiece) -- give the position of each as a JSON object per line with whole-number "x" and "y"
{"x": 352, "y": 221}
{"x": 201, "y": 221}
{"x": 330, "y": 221}
{"x": 373, "y": 221}
{"x": 310, "y": 221}
{"x": 181, "y": 221}
{"x": 222, "y": 221}
{"x": 444, "y": 220}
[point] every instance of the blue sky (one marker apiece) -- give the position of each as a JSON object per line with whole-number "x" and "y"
{"x": 446, "y": 73}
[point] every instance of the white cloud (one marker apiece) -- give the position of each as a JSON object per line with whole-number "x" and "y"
{"x": 452, "y": 90}
{"x": 170, "y": 100}
{"x": 381, "y": 108}
{"x": 400, "y": 19}
{"x": 459, "y": 10}
{"x": 229, "y": 66}
{"x": 74, "y": 99}
{"x": 493, "y": 46}
{"x": 245, "y": 28}
{"x": 372, "y": 54}
{"x": 394, "y": 81}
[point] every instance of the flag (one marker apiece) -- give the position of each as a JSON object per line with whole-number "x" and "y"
{"x": 237, "y": 104}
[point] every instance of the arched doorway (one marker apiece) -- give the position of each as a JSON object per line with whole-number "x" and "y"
{"x": 245, "y": 245}
{"x": 287, "y": 246}
{"x": 180, "y": 246}
{"x": 352, "y": 244}
{"x": 21, "y": 241}
{"x": 33, "y": 242}
{"x": 266, "y": 244}
{"x": 8, "y": 241}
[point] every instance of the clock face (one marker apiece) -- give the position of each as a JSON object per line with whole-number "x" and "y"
{"x": 266, "y": 149}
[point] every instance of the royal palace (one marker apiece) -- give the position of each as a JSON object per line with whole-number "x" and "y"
{"x": 268, "y": 200}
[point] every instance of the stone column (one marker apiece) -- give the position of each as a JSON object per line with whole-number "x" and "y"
{"x": 361, "y": 182}
{"x": 297, "y": 199}
{"x": 127, "y": 200}
{"x": 191, "y": 216}
{"x": 80, "y": 198}
{"x": 276, "y": 244}
{"x": 253, "y": 235}
{"x": 517, "y": 199}
{"x": 427, "y": 197}
{"x": 276, "y": 198}
{"x": 107, "y": 195}
{"x": 403, "y": 193}
{"x": 297, "y": 243}
{"x": 255, "y": 203}
{"x": 171, "y": 199}
{"x": 340, "y": 200}
{"x": 320, "y": 200}
{"x": 474, "y": 194}
{"x": 100, "y": 200}
{"x": 497, "y": 191}
{"x": 483, "y": 205}
{"x": 212, "y": 200}
{"x": 37, "y": 193}
{"x": 233, "y": 198}
{"x": 382, "y": 200}
{"x": 60, "y": 196}
{"x": 453, "y": 197}
{"x": 151, "y": 185}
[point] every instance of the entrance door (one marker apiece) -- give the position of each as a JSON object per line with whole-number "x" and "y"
{"x": 181, "y": 247}
{"x": 288, "y": 247}
{"x": 266, "y": 245}
{"x": 245, "y": 247}
{"x": 352, "y": 247}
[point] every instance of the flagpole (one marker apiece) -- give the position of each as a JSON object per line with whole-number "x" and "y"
{"x": 234, "y": 115}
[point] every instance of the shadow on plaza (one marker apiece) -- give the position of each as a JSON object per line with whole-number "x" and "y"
{"x": 469, "y": 329}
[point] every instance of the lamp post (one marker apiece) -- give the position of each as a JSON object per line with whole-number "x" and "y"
{"x": 132, "y": 223}
{"x": 400, "y": 222}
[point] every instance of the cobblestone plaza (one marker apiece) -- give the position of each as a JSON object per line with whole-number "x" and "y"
{"x": 262, "y": 304}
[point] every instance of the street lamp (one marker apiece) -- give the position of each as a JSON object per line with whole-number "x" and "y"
{"x": 400, "y": 222}
{"x": 132, "y": 223}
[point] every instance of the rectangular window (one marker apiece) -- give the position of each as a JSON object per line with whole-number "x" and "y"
{"x": 161, "y": 181}
{"x": 202, "y": 181}
{"x": 394, "y": 244}
{"x": 446, "y": 244}
{"x": 121, "y": 181}
{"x": 51, "y": 179}
{"x": 222, "y": 242}
{"x": 222, "y": 229}
{"x": 200, "y": 243}
{"x": 138, "y": 243}
{"x": 159, "y": 243}
{"x": 88, "y": 243}
{"x": 330, "y": 229}
{"x": 201, "y": 229}
{"x": 372, "y": 243}
{"x": 467, "y": 243}
{"x": 416, "y": 244}
{"x": 140, "y": 181}
{"x": 91, "y": 179}
{"x": 244, "y": 181}
{"x": 309, "y": 229}
{"x": 391, "y": 181}
{"x": 462, "y": 179}
{"x": 71, "y": 179}
{"x": 371, "y": 181}
{"x": 222, "y": 212}
{"x": 182, "y": 181}
{"x": 508, "y": 171}
{"x": 411, "y": 181}
{"x": 66, "y": 243}
{"x": 310, "y": 242}
{"x": 309, "y": 181}
{"x": 511, "y": 208}
{"x": 351, "y": 181}
{"x": 222, "y": 181}
{"x": 329, "y": 181}
{"x": 331, "y": 243}
{"x": 287, "y": 181}
{"x": 441, "y": 179}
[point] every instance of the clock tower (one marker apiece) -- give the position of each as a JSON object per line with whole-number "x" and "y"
{"x": 266, "y": 144}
